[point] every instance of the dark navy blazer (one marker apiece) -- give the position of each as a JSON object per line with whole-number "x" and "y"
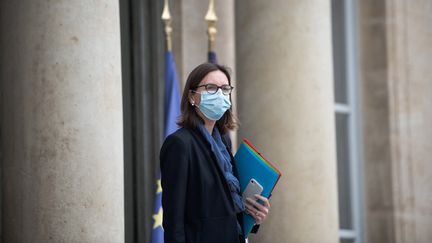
{"x": 197, "y": 204}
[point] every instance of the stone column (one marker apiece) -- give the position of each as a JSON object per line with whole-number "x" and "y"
{"x": 285, "y": 80}
{"x": 410, "y": 90}
{"x": 396, "y": 55}
{"x": 378, "y": 202}
{"x": 61, "y": 121}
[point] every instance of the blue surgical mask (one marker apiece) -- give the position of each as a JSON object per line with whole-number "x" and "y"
{"x": 213, "y": 106}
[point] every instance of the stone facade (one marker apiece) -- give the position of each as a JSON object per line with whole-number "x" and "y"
{"x": 61, "y": 114}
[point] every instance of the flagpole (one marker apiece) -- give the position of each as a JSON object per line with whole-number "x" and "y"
{"x": 171, "y": 100}
{"x": 211, "y": 19}
{"x": 166, "y": 17}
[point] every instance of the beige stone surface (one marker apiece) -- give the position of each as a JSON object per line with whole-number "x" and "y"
{"x": 410, "y": 89}
{"x": 396, "y": 37}
{"x": 61, "y": 124}
{"x": 378, "y": 203}
{"x": 285, "y": 80}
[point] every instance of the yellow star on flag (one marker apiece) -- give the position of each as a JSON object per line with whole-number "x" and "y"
{"x": 159, "y": 186}
{"x": 157, "y": 219}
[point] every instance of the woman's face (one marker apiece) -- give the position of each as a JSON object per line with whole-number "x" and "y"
{"x": 216, "y": 77}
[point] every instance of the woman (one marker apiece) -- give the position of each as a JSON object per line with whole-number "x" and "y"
{"x": 201, "y": 193}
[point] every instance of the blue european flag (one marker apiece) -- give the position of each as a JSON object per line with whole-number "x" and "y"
{"x": 211, "y": 57}
{"x": 172, "y": 95}
{"x": 172, "y": 113}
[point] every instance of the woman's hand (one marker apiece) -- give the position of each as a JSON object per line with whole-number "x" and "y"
{"x": 258, "y": 211}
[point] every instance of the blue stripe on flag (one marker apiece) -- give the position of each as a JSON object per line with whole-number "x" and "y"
{"x": 172, "y": 113}
{"x": 211, "y": 57}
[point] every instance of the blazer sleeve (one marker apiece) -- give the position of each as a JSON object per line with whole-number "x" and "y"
{"x": 174, "y": 164}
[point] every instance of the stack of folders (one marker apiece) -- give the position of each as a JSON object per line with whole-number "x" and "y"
{"x": 252, "y": 165}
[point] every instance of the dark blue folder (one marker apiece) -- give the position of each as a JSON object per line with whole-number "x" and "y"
{"x": 251, "y": 164}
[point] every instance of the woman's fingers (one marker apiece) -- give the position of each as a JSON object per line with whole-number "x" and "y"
{"x": 264, "y": 199}
{"x": 258, "y": 211}
{"x": 257, "y": 215}
{"x": 250, "y": 209}
{"x": 258, "y": 206}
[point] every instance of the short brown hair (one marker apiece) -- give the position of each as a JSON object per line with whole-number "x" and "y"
{"x": 189, "y": 117}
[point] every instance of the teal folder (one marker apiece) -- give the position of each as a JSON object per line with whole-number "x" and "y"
{"x": 251, "y": 164}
